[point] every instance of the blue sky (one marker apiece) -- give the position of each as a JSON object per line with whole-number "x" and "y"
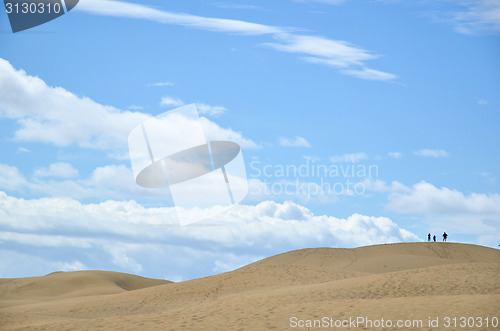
{"x": 403, "y": 93}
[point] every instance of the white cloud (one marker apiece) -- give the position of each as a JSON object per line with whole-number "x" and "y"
{"x": 55, "y": 115}
{"x": 482, "y": 102}
{"x": 355, "y": 157}
{"x": 370, "y": 74}
{"x": 122, "y": 259}
{"x": 206, "y": 109}
{"x": 489, "y": 177}
{"x": 431, "y": 153}
{"x": 171, "y": 102}
{"x": 161, "y": 84}
{"x": 294, "y": 142}
{"x": 111, "y": 181}
{"x": 43, "y": 116}
{"x": 328, "y": 2}
{"x": 377, "y": 185}
{"x": 203, "y": 108}
{"x": 131, "y": 10}
{"x": 215, "y": 132}
{"x": 396, "y": 155}
{"x": 426, "y": 198}
{"x": 23, "y": 150}
{"x": 73, "y": 266}
{"x": 226, "y": 5}
{"x": 60, "y": 170}
{"x": 11, "y": 179}
{"x": 320, "y": 50}
{"x": 135, "y": 107}
{"x": 477, "y": 16}
{"x": 122, "y": 235}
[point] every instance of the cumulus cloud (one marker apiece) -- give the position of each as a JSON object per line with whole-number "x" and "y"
{"x": 294, "y": 142}
{"x": 314, "y": 49}
{"x": 57, "y": 116}
{"x": 378, "y": 185}
{"x": 355, "y": 157}
{"x": 171, "y": 102}
{"x": 11, "y": 179}
{"x": 124, "y": 235}
{"x": 426, "y": 198}
{"x": 451, "y": 210}
{"x": 59, "y": 169}
{"x": 431, "y": 153}
{"x": 105, "y": 182}
{"x": 54, "y": 115}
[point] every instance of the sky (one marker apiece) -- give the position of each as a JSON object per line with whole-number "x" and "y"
{"x": 360, "y": 122}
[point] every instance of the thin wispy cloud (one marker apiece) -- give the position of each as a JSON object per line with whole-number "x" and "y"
{"x": 354, "y": 157}
{"x": 468, "y": 16}
{"x": 312, "y": 49}
{"x": 206, "y": 109}
{"x": 431, "y": 153}
{"x": 395, "y": 155}
{"x": 203, "y": 108}
{"x": 23, "y": 150}
{"x": 370, "y": 74}
{"x": 477, "y": 16}
{"x": 294, "y": 142}
{"x": 226, "y": 5}
{"x": 161, "y": 84}
{"x": 327, "y": 2}
{"x": 138, "y": 11}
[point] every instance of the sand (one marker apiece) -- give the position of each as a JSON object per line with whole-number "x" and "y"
{"x": 413, "y": 283}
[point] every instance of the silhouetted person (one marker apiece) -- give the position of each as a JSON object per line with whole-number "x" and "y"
{"x": 429, "y": 237}
{"x": 434, "y": 238}
{"x": 445, "y": 235}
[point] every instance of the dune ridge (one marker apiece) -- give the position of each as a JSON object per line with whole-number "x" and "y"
{"x": 395, "y": 281}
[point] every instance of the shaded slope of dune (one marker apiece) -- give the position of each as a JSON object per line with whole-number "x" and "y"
{"x": 59, "y": 285}
{"x": 414, "y": 280}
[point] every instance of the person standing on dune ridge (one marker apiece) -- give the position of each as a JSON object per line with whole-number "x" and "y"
{"x": 445, "y": 236}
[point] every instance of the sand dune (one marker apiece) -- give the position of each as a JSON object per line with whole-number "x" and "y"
{"x": 397, "y": 281}
{"x": 60, "y": 285}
